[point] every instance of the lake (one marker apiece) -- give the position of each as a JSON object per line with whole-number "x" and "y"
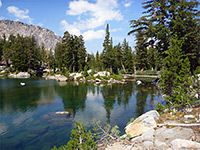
{"x": 29, "y": 121}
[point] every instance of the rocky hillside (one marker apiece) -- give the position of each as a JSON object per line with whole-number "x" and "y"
{"x": 41, "y": 35}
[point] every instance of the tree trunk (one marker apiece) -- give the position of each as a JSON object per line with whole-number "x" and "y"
{"x": 110, "y": 69}
{"x": 73, "y": 63}
{"x": 122, "y": 65}
{"x": 134, "y": 67}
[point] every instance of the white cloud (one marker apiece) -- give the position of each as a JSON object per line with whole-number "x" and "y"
{"x": 94, "y": 14}
{"x": 65, "y": 26}
{"x": 0, "y": 3}
{"x": 20, "y": 14}
{"x": 127, "y": 3}
{"x": 91, "y": 34}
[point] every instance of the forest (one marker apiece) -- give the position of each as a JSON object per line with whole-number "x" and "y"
{"x": 167, "y": 40}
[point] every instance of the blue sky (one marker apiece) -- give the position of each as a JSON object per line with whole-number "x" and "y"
{"x": 86, "y": 17}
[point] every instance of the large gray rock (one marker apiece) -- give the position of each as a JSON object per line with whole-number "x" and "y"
{"x": 102, "y": 73}
{"x": 143, "y": 123}
{"x": 61, "y": 78}
{"x": 147, "y": 136}
{"x": 169, "y": 134}
{"x": 42, "y": 35}
{"x": 76, "y": 75}
{"x": 180, "y": 144}
{"x": 19, "y": 75}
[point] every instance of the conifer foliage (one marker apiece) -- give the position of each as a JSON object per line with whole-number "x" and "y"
{"x": 71, "y": 53}
{"x": 22, "y": 52}
{"x": 170, "y": 29}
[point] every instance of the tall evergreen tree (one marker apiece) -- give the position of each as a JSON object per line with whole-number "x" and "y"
{"x": 72, "y": 52}
{"x": 127, "y": 56}
{"x": 106, "y": 48}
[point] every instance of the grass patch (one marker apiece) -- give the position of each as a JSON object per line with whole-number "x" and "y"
{"x": 147, "y": 72}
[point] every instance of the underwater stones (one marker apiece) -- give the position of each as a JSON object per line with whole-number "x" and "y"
{"x": 3, "y": 128}
{"x": 59, "y": 122}
{"x": 63, "y": 113}
{"x": 38, "y": 130}
{"x": 21, "y": 119}
{"x": 143, "y": 123}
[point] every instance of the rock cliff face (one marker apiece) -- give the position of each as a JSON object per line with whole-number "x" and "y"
{"x": 42, "y": 35}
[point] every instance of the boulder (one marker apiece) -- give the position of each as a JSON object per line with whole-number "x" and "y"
{"x": 180, "y": 144}
{"x": 76, "y": 75}
{"x": 167, "y": 135}
{"x": 63, "y": 113}
{"x": 98, "y": 80}
{"x": 50, "y": 78}
{"x": 61, "y": 78}
{"x": 143, "y": 123}
{"x": 102, "y": 73}
{"x": 20, "y": 75}
{"x": 186, "y": 117}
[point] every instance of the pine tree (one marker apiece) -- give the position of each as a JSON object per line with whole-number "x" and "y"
{"x": 97, "y": 61}
{"x": 127, "y": 56}
{"x": 141, "y": 51}
{"x": 106, "y": 48}
{"x": 81, "y": 54}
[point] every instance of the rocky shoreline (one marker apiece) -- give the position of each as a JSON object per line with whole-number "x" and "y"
{"x": 96, "y": 78}
{"x": 146, "y": 134}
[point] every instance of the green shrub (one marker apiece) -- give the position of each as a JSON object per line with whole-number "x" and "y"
{"x": 90, "y": 78}
{"x": 85, "y": 73}
{"x": 99, "y": 77}
{"x": 92, "y": 73}
{"x": 66, "y": 74}
{"x": 80, "y": 139}
{"x": 105, "y": 78}
{"x": 116, "y": 77}
{"x": 147, "y": 72}
{"x": 132, "y": 119}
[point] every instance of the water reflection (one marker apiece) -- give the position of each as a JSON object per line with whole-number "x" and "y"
{"x": 28, "y": 118}
{"x": 113, "y": 93}
{"x": 73, "y": 96}
{"x": 16, "y": 98}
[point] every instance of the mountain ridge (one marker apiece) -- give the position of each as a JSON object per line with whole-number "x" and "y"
{"x": 42, "y": 35}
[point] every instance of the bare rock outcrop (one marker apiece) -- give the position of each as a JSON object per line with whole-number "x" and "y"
{"x": 143, "y": 123}
{"x": 42, "y": 35}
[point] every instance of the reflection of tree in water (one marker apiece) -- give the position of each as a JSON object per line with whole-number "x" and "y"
{"x": 141, "y": 98}
{"x": 143, "y": 91}
{"x": 73, "y": 96}
{"x": 23, "y": 98}
{"x": 20, "y": 101}
{"x": 121, "y": 93}
{"x": 91, "y": 88}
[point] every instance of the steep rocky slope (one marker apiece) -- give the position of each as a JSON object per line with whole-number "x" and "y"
{"x": 41, "y": 35}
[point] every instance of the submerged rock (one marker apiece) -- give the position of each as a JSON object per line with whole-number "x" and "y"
{"x": 63, "y": 113}
{"x": 143, "y": 123}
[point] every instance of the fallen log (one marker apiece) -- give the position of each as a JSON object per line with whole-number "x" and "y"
{"x": 179, "y": 124}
